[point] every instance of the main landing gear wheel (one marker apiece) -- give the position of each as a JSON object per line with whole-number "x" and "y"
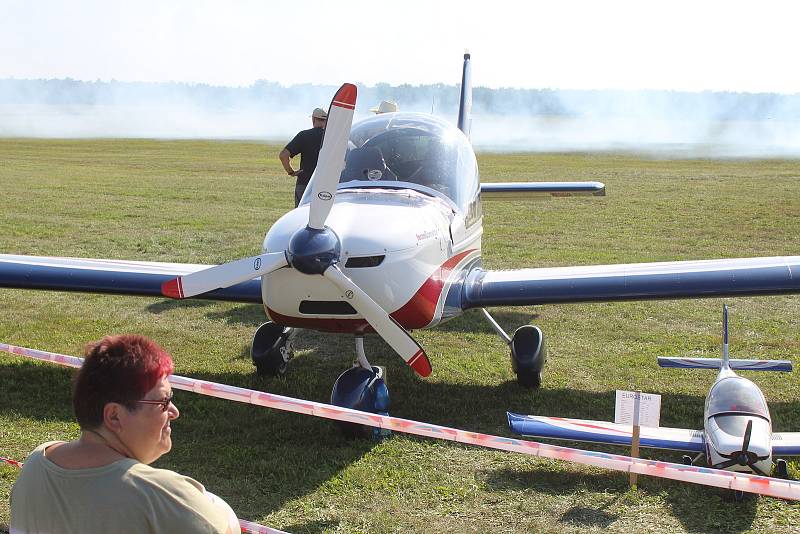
{"x": 361, "y": 389}
{"x": 781, "y": 469}
{"x": 528, "y": 355}
{"x": 272, "y": 349}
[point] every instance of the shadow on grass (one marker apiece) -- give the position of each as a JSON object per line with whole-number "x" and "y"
{"x": 169, "y": 304}
{"x": 585, "y": 516}
{"x": 247, "y": 314}
{"x": 261, "y": 459}
{"x": 474, "y": 321}
{"x": 36, "y": 391}
{"x": 703, "y": 509}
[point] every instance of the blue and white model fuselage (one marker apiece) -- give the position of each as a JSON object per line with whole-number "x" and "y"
{"x": 737, "y": 426}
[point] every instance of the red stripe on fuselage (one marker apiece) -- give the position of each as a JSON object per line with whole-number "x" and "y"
{"x": 417, "y": 313}
{"x": 419, "y": 310}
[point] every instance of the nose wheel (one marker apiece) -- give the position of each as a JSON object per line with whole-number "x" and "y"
{"x": 272, "y": 349}
{"x": 362, "y": 387}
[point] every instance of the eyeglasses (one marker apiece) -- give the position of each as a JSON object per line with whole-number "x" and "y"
{"x": 165, "y": 402}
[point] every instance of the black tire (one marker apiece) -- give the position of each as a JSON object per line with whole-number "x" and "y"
{"x": 782, "y": 469}
{"x": 528, "y": 378}
{"x": 271, "y": 363}
{"x": 267, "y": 350}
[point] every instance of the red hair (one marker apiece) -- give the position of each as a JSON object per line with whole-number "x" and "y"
{"x": 118, "y": 369}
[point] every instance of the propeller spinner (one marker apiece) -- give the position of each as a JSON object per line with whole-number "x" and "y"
{"x": 743, "y": 457}
{"x": 315, "y": 249}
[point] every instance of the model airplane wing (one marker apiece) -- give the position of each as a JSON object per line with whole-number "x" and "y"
{"x": 604, "y": 432}
{"x": 524, "y": 190}
{"x": 786, "y": 443}
{"x": 635, "y": 281}
{"x": 109, "y": 276}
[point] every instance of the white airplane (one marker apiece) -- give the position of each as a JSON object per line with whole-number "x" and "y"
{"x": 387, "y": 239}
{"x": 737, "y": 428}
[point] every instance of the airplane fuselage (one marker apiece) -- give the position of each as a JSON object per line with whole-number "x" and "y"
{"x": 732, "y": 402}
{"x": 396, "y": 244}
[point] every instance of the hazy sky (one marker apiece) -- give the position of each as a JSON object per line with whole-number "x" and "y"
{"x": 645, "y": 44}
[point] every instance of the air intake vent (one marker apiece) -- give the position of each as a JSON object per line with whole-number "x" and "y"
{"x": 326, "y": 307}
{"x": 364, "y": 261}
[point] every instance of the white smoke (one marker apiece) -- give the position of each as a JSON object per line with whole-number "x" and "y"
{"x": 660, "y": 123}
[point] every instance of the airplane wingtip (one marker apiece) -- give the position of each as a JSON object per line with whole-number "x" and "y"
{"x": 172, "y": 288}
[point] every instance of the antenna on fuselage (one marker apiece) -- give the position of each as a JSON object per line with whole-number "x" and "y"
{"x": 465, "y": 102}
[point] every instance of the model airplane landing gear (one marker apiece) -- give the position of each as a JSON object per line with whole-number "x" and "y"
{"x": 527, "y": 352}
{"x": 272, "y": 348}
{"x": 362, "y": 387}
{"x": 781, "y": 469}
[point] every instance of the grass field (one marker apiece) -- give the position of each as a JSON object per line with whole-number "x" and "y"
{"x": 206, "y": 202}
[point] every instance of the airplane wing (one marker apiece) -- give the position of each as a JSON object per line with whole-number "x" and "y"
{"x": 786, "y": 443}
{"x": 526, "y": 190}
{"x": 678, "y": 439}
{"x": 634, "y": 281}
{"x": 142, "y": 278}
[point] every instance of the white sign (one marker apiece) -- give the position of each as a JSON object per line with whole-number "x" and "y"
{"x": 649, "y": 408}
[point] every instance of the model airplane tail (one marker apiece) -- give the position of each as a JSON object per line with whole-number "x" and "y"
{"x": 465, "y": 103}
{"x": 725, "y": 362}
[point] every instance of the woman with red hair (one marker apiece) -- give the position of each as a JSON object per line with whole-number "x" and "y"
{"x": 102, "y": 482}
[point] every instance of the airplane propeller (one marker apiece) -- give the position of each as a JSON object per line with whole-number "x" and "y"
{"x": 315, "y": 249}
{"x": 743, "y": 457}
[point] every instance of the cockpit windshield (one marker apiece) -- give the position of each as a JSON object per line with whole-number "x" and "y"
{"x": 736, "y": 395}
{"x": 411, "y": 150}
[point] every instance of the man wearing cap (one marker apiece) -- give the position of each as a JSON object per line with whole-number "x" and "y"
{"x": 307, "y": 143}
{"x": 386, "y": 106}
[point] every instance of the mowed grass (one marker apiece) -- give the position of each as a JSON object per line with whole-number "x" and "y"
{"x": 206, "y": 202}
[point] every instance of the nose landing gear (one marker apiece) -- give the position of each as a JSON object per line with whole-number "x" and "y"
{"x": 272, "y": 348}
{"x": 362, "y": 387}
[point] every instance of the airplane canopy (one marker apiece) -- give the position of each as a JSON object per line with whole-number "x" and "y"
{"x": 736, "y": 395}
{"x": 412, "y": 150}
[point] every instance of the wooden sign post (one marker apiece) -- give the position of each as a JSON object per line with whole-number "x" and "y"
{"x": 637, "y": 401}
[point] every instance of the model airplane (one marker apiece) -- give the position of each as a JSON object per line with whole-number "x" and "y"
{"x": 737, "y": 430}
{"x": 387, "y": 239}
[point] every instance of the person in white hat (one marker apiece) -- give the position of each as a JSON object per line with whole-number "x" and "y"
{"x": 386, "y": 106}
{"x": 307, "y": 143}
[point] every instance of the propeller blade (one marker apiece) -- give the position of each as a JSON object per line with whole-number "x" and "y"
{"x": 747, "y": 431}
{"x": 330, "y": 163}
{"x": 224, "y": 275}
{"x": 725, "y": 464}
{"x": 394, "y": 334}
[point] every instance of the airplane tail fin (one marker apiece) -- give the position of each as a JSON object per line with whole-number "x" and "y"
{"x": 465, "y": 103}
{"x": 725, "y": 362}
{"x": 725, "y": 354}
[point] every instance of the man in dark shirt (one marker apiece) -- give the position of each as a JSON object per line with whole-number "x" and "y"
{"x": 306, "y": 143}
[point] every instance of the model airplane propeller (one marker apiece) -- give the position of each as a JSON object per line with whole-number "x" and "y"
{"x": 388, "y": 238}
{"x": 737, "y": 431}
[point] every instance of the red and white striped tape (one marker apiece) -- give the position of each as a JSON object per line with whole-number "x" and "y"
{"x": 773, "y": 487}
